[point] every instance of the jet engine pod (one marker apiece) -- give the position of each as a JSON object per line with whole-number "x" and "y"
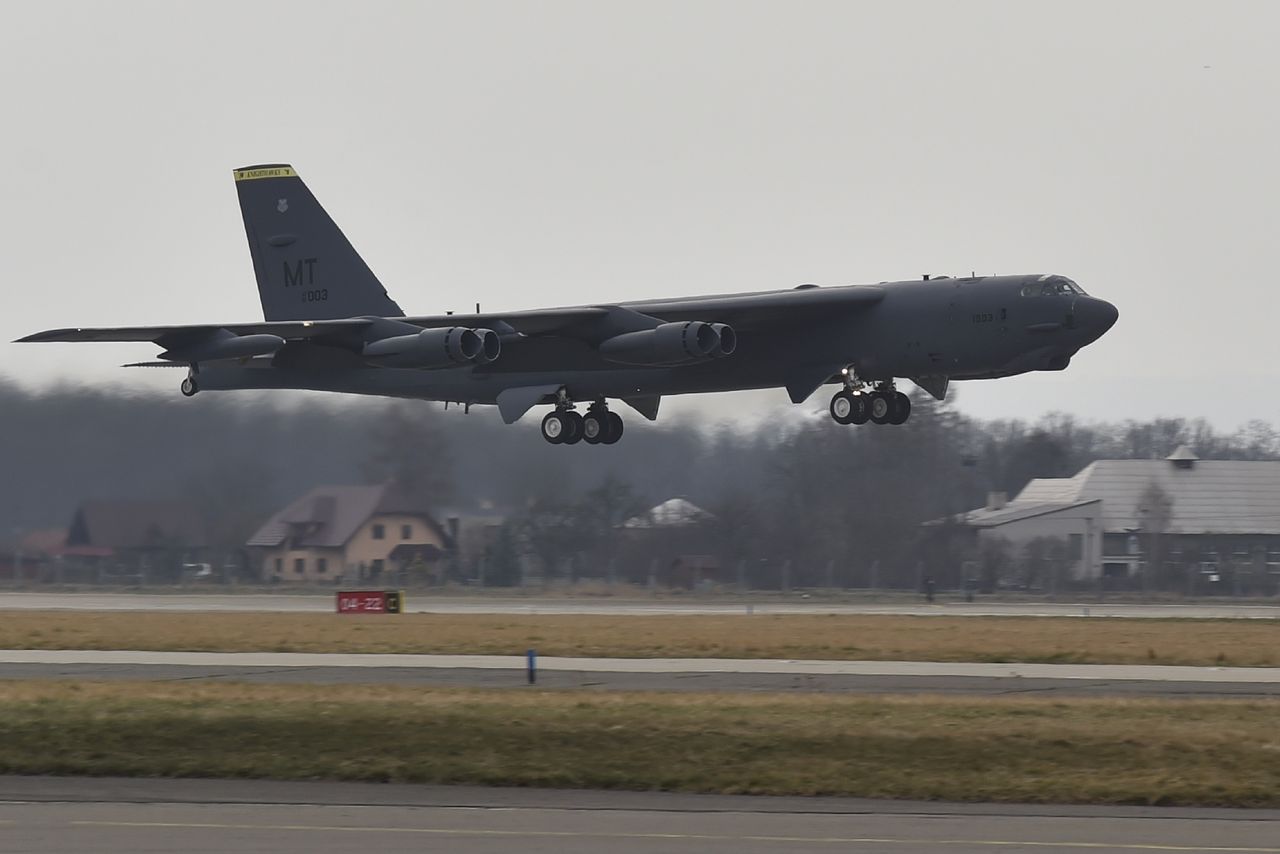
{"x": 430, "y": 348}
{"x": 490, "y": 346}
{"x": 677, "y": 343}
{"x": 728, "y": 338}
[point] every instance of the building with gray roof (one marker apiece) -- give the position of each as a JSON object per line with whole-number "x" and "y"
{"x": 1192, "y": 524}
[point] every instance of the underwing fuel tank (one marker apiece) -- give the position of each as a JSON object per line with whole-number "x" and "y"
{"x": 224, "y": 345}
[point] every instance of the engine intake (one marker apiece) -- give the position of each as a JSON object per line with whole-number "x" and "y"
{"x": 435, "y": 348}
{"x": 677, "y": 343}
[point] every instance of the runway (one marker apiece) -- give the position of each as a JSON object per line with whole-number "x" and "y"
{"x": 626, "y": 674}
{"x": 115, "y": 816}
{"x": 425, "y": 603}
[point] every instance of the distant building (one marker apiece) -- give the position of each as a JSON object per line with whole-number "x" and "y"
{"x": 672, "y": 544}
{"x": 128, "y": 527}
{"x": 672, "y": 513}
{"x": 352, "y": 533}
{"x": 1126, "y": 519}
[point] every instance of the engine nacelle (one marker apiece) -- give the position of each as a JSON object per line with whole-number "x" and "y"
{"x": 490, "y": 346}
{"x": 435, "y": 348}
{"x": 671, "y": 344}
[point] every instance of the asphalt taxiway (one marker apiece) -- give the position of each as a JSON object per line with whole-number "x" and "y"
{"x": 427, "y": 604}
{"x": 638, "y": 674}
{"x": 114, "y": 816}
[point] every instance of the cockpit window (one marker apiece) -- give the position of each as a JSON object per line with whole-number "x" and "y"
{"x": 1052, "y": 286}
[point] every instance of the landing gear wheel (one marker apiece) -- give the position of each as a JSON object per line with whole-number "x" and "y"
{"x": 861, "y": 409}
{"x": 189, "y": 387}
{"x": 901, "y": 408}
{"x": 595, "y": 427}
{"x": 881, "y": 407}
{"x": 841, "y": 407}
{"x": 614, "y": 432}
{"x": 574, "y": 429}
{"x": 554, "y": 428}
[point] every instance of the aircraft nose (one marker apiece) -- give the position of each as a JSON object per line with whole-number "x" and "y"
{"x": 1095, "y": 315}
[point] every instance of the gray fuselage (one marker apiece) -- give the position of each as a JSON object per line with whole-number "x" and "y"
{"x": 947, "y": 328}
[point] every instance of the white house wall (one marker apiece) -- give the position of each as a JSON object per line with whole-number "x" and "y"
{"x": 1085, "y": 521}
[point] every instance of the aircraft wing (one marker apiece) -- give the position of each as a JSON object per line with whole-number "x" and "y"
{"x": 748, "y": 311}
{"x": 167, "y": 335}
{"x": 757, "y": 310}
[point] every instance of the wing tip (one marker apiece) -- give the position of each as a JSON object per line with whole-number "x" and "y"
{"x": 46, "y": 335}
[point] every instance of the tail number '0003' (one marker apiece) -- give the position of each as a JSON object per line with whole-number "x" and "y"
{"x": 315, "y": 296}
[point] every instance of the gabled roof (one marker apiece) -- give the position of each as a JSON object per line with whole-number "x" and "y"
{"x": 329, "y": 516}
{"x": 1210, "y": 496}
{"x": 128, "y": 524}
{"x": 672, "y": 513}
{"x": 1017, "y": 511}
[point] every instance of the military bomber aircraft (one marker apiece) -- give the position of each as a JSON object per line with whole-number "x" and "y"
{"x": 329, "y": 325}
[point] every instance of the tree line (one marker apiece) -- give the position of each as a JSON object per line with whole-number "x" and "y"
{"x": 832, "y": 504}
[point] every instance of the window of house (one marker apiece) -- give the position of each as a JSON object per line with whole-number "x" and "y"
{"x": 375, "y": 569}
{"x": 1075, "y": 547}
{"x": 406, "y": 532}
{"x": 322, "y": 565}
{"x": 279, "y": 565}
{"x": 379, "y": 532}
{"x": 1273, "y": 560}
{"x": 299, "y": 565}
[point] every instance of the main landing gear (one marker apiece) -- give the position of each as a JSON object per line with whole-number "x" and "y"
{"x": 189, "y": 386}
{"x": 565, "y": 426}
{"x": 884, "y": 404}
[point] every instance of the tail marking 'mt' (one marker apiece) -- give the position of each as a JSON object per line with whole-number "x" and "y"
{"x": 305, "y": 266}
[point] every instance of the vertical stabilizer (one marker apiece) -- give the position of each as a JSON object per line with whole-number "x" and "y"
{"x": 306, "y": 267}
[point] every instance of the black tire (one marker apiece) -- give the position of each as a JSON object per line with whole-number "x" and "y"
{"x": 615, "y": 429}
{"x": 189, "y": 387}
{"x": 841, "y": 407}
{"x": 595, "y": 427}
{"x": 901, "y": 409}
{"x": 861, "y": 409}
{"x": 881, "y": 405}
{"x": 574, "y": 430}
{"x": 554, "y": 428}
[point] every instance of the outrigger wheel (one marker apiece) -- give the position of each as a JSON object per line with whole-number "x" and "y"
{"x": 189, "y": 387}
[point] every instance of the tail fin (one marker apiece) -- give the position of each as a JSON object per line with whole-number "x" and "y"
{"x": 306, "y": 267}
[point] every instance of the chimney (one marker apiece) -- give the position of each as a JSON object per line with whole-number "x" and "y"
{"x": 997, "y": 500}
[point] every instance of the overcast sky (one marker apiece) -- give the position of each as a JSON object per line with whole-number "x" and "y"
{"x": 531, "y": 154}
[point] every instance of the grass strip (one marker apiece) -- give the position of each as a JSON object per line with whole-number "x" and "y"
{"x": 1248, "y": 643}
{"x": 992, "y": 749}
